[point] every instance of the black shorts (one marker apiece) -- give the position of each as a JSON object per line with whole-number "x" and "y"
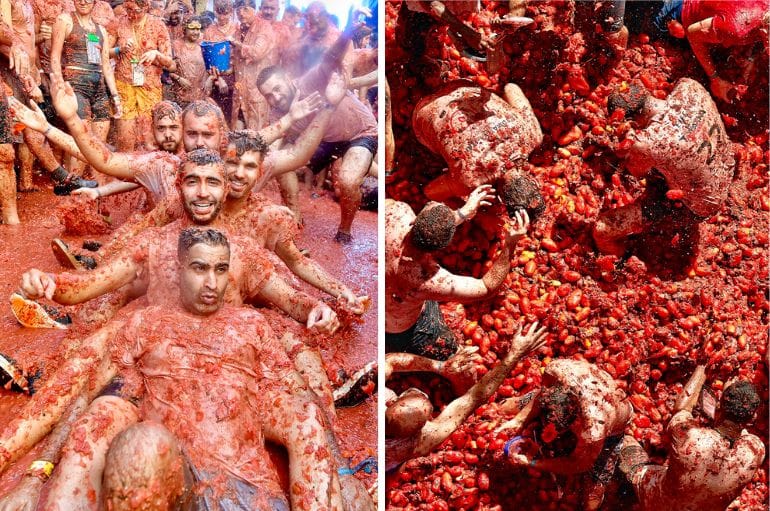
{"x": 91, "y": 91}
{"x": 428, "y": 337}
{"x": 327, "y": 152}
{"x": 239, "y": 495}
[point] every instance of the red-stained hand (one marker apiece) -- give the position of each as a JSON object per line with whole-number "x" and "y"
{"x": 36, "y": 284}
{"x": 322, "y": 319}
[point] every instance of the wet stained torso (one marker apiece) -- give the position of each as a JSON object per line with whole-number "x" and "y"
{"x": 478, "y": 134}
{"x": 200, "y": 377}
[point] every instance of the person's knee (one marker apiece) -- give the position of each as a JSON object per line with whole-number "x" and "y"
{"x": 144, "y": 469}
{"x": 6, "y": 154}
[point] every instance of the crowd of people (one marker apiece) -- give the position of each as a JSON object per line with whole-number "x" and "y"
{"x": 174, "y": 377}
{"x": 579, "y": 421}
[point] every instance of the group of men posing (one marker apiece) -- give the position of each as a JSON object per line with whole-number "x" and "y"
{"x": 680, "y": 146}
{"x": 167, "y": 404}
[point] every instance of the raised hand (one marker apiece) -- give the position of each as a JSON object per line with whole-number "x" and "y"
{"x": 518, "y": 227}
{"x": 462, "y": 369}
{"x": 481, "y": 196}
{"x": 336, "y": 88}
{"x": 300, "y": 109}
{"x": 532, "y": 340}
{"x": 32, "y": 117}
{"x": 64, "y": 99}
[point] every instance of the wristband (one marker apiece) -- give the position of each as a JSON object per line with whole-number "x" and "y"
{"x": 463, "y": 218}
{"x": 41, "y": 469}
{"x": 47, "y": 130}
{"x": 508, "y": 444}
{"x": 345, "y": 471}
{"x": 116, "y": 50}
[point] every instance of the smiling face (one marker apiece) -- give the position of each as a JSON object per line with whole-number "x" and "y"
{"x": 279, "y": 92}
{"x": 203, "y": 189}
{"x": 135, "y": 11}
{"x": 203, "y": 278}
{"x": 242, "y": 172}
{"x": 84, "y": 7}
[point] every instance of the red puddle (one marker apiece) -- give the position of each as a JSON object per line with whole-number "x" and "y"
{"x": 26, "y": 246}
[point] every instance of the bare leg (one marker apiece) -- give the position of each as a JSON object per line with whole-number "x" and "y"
{"x": 144, "y": 470}
{"x": 77, "y": 483}
{"x": 297, "y": 423}
{"x": 42, "y": 151}
{"x": 101, "y": 129}
{"x": 614, "y": 226}
{"x": 8, "y": 185}
{"x": 355, "y": 165}
{"x": 289, "y": 185}
{"x": 125, "y": 134}
{"x": 26, "y": 161}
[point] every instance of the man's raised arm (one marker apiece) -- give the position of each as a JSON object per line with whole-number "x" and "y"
{"x": 95, "y": 151}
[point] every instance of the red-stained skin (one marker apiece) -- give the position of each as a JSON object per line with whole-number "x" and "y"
{"x": 683, "y": 297}
{"x": 354, "y": 346}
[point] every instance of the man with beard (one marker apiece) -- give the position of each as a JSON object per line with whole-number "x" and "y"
{"x": 165, "y": 355}
{"x": 352, "y": 136}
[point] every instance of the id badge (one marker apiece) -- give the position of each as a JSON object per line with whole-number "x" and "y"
{"x": 93, "y": 49}
{"x": 137, "y": 74}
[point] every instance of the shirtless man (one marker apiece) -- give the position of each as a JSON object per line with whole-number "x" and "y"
{"x": 409, "y": 429}
{"x": 483, "y": 138}
{"x": 415, "y": 282}
{"x": 707, "y": 467}
{"x": 683, "y": 138}
{"x": 145, "y": 264}
{"x": 319, "y": 35}
{"x": 255, "y": 379}
{"x": 582, "y": 414}
{"x": 352, "y": 135}
{"x": 251, "y": 275}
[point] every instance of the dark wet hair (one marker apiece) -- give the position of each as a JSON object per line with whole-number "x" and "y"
{"x": 433, "y": 228}
{"x": 358, "y": 37}
{"x": 192, "y": 236}
{"x": 223, "y": 6}
{"x": 291, "y": 10}
{"x": 203, "y": 157}
{"x": 521, "y": 192}
{"x": 739, "y": 402}
{"x": 163, "y": 109}
{"x": 631, "y": 101}
{"x": 268, "y": 72}
{"x": 244, "y": 3}
{"x": 204, "y": 107}
{"x": 558, "y": 406}
{"x": 247, "y": 140}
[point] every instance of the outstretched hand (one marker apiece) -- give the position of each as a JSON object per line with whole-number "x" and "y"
{"x": 32, "y": 117}
{"x": 518, "y": 227}
{"x": 529, "y": 342}
{"x": 336, "y": 88}
{"x": 481, "y": 196}
{"x": 63, "y": 97}
{"x": 300, "y": 109}
{"x": 462, "y": 369}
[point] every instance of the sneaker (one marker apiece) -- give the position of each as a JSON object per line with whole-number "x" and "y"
{"x": 72, "y": 183}
{"x": 63, "y": 254}
{"x": 11, "y": 376}
{"x": 358, "y": 388}
{"x": 33, "y": 315}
